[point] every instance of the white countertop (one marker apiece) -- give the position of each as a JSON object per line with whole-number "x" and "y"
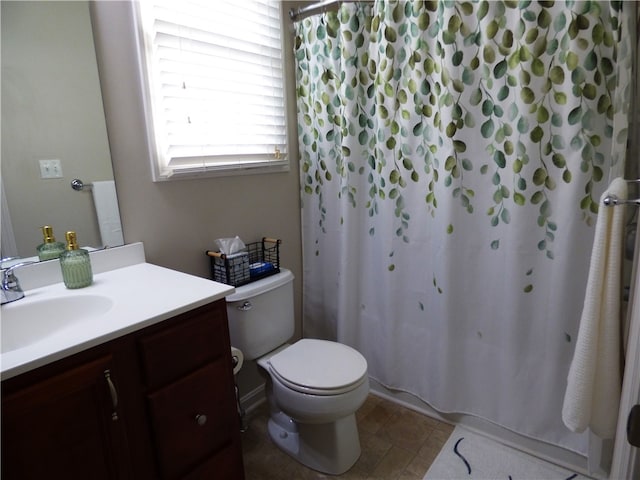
{"x": 143, "y": 294}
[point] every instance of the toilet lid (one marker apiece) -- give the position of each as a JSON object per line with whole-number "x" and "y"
{"x": 319, "y": 365}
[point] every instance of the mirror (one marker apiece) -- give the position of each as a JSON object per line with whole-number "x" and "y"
{"x": 53, "y": 129}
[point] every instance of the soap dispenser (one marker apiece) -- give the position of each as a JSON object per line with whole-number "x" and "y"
{"x": 75, "y": 264}
{"x": 49, "y": 249}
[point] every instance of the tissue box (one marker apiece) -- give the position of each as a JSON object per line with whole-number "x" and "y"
{"x": 231, "y": 269}
{"x": 260, "y": 260}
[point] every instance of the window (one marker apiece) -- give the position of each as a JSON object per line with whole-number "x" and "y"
{"x": 214, "y": 86}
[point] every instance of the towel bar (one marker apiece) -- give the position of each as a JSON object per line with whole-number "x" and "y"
{"x": 613, "y": 200}
{"x": 78, "y": 185}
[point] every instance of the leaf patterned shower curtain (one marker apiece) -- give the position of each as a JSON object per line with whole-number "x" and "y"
{"x": 452, "y": 158}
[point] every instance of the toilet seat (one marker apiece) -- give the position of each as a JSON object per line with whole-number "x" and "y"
{"x": 319, "y": 367}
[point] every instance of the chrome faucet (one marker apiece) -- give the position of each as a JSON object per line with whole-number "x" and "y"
{"x": 11, "y": 290}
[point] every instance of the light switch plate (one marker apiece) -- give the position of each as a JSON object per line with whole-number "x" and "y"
{"x": 50, "y": 168}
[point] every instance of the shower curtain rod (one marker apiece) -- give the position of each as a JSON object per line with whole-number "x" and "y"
{"x": 297, "y": 13}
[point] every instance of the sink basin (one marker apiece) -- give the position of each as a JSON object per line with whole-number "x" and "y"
{"x": 25, "y": 322}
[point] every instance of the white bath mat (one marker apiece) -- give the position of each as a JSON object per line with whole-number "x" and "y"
{"x": 469, "y": 455}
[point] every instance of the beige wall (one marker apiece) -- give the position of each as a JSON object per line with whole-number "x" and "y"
{"x": 179, "y": 220}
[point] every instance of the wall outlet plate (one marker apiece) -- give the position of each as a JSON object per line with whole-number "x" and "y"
{"x": 50, "y": 168}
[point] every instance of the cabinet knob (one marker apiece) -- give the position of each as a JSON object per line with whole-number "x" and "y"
{"x": 201, "y": 419}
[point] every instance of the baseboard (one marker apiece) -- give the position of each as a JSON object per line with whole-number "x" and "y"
{"x": 253, "y": 399}
{"x": 551, "y": 453}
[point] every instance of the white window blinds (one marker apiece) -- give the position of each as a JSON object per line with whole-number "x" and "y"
{"x": 214, "y": 85}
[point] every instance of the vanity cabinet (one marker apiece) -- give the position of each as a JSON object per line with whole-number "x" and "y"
{"x": 158, "y": 403}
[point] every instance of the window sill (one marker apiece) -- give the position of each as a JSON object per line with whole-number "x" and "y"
{"x": 220, "y": 171}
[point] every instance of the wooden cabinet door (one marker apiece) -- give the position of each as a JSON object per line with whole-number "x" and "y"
{"x": 65, "y": 427}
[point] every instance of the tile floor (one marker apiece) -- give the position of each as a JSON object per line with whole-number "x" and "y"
{"x": 397, "y": 443}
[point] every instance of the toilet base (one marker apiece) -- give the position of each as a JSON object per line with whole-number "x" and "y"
{"x": 284, "y": 433}
{"x": 331, "y": 448}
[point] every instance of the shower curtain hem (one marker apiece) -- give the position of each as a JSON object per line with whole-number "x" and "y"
{"x": 475, "y": 415}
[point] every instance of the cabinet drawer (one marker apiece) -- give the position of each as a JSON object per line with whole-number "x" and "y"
{"x": 196, "y": 339}
{"x": 183, "y": 437}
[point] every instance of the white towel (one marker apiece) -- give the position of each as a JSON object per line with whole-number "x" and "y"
{"x": 108, "y": 213}
{"x": 594, "y": 381}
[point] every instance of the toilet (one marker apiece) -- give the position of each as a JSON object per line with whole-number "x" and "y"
{"x": 313, "y": 387}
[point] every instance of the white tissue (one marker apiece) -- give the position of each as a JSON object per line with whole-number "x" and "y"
{"x": 229, "y": 246}
{"x": 239, "y": 359}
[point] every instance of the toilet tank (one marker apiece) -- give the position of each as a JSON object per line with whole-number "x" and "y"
{"x": 261, "y": 314}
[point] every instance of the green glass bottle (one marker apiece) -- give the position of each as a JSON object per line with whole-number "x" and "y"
{"x": 49, "y": 248}
{"x": 75, "y": 264}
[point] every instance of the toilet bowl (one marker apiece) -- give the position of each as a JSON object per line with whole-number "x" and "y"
{"x": 313, "y": 387}
{"x": 313, "y": 405}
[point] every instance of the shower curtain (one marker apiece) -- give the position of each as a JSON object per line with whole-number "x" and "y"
{"x": 452, "y": 155}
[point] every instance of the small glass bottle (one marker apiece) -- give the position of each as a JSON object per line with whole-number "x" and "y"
{"x": 49, "y": 248}
{"x": 75, "y": 264}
